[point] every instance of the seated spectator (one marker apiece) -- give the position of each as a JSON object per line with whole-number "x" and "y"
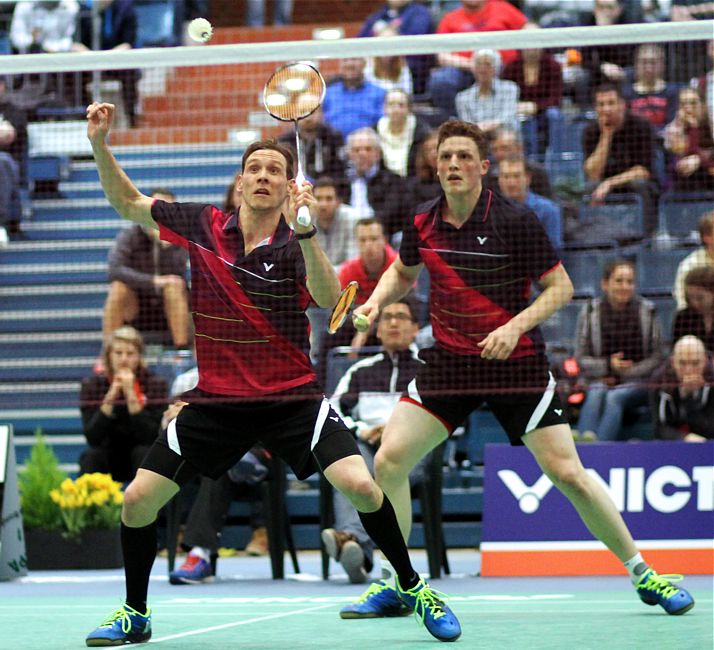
{"x": 514, "y": 183}
{"x": 44, "y": 26}
{"x": 618, "y": 344}
{"x": 371, "y": 189}
{"x": 282, "y": 12}
{"x": 455, "y": 71}
{"x": 649, "y": 96}
{"x": 508, "y": 143}
{"x": 697, "y": 318}
{"x": 605, "y": 63}
{"x": 119, "y": 25}
{"x": 618, "y": 153}
{"x": 365, "y": 397}
{"x": 351, "y": 102}
{"x": 321, "y": 146}
{"x": 704, "y": 84}
{"x": 335, "y": 222}
{"x": 683, "y": 398}
{"x": 400, "y": 133}
{"x": 13, "y": 159}
{"x": 121, "y": 408}
{"x": 231, "y": 202}
{"x": 490, "y": 102}
{"x": 403, "y": 18}
{"x": 540, "y": 83}
{"x": 210, "y": 507}
{"x": 148, "y": 283}
{"x": 424, "y": 184}
{"x": 690, "y": 139}
{"x": 389, "y": 73}
{"x": 703, "y": 256}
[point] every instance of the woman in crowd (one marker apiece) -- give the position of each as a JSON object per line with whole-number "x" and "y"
{"x": 697, "y": 318}
{"x": 619, "y": 343}
{"x": 423, "y": 185}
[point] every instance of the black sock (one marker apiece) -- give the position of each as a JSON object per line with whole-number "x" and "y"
{"x": 139, "y": 550}
{"x": 383, "y": 528}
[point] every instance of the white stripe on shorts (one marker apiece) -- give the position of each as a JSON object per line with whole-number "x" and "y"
{"x": 172, "y": 437}
{"x": 413, "y": 392}
{"x": 319, "y": 423}
{"x": 542, "y": 405}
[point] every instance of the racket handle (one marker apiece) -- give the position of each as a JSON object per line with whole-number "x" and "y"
{"x": 303, "y": 217}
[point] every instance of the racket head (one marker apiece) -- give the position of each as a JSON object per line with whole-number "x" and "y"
{"x": 343, "y": 306}
{"x": 294, "y": 91}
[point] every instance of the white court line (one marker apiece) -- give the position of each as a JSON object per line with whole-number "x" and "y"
{"x": 237, "y": 623}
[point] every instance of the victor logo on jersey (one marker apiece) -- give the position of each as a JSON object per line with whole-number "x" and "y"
{"x": 481, "y": 240}
{"x": 268, "y": 266}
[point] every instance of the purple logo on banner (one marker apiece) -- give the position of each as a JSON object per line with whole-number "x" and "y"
{"x": 664, "y": 490}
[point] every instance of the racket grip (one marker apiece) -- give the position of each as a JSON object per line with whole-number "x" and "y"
{"x": 303, "y": 217}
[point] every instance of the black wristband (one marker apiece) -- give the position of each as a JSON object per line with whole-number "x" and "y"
{"x": 306, "y": 235}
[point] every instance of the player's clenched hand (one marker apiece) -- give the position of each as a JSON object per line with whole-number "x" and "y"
{"x": 100, "y": 117}
{"x": 369, "y": 311}
{"x": 499, "y": 344}
{"x": 297, "y": 198}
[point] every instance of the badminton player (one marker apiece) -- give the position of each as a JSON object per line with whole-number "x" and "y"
{"x": 482, "y": 252}
{"x": 253, "y": 274}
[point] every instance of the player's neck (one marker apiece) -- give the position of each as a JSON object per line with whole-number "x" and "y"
{"x": 257, "y": 225}
{"x": 460, "y": 207}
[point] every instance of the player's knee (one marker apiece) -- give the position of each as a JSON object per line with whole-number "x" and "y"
{"x": 388, "y": 468}
{"x": 362, "y": 492}
{"x": 138, "y": 509}
{"x": 568, "y": 477}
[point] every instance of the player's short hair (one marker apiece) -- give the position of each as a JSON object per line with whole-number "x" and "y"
{"x": 608, "y": 88}
{"x": 272, "y": 145}
{"x": 706, "y": 225}
{"x": 326, "y": 181}
{"x": 125, "y": 334}
{"x": 701, "y": 276}
{"x": 610, "y": 266}
{"x": 164, "y": 191}
{"x": 456, "y": 128}
{"x": 369, "y": 221}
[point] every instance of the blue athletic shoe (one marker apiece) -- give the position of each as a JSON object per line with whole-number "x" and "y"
{"x": 193, "y": 571}
{"x": 124, "y": 626}
{"x": 379, "y": 601}
{"x": 429, "y": 608}
{"x": 655, "y": 589}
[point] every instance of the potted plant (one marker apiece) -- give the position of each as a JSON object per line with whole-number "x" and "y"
{"x": 68, "y": 524}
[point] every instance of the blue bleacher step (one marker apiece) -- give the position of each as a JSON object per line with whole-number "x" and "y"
{"x": 50, "y": 320}
{"x": 88, "y": 296}
{"x": 38, "y": 395}
{"x": 67, "y": 448}
{"x": 70, "y": 229}
{"x": 172, "y": 152}
{"x": 45, "y": 252}
{"x": 180, "y": 186}
{"x": 46, "y": 369}
{"x": 54, "y": 273}
{"x": 45, "y": 345}
{"x": 50, "y": 420}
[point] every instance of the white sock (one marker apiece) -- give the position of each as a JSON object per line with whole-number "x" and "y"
{"x": 636, "y": 567}
{"x": 200, "y": 551}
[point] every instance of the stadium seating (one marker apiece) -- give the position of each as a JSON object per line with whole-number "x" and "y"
{"x": 619, "y": 217}
{"x": 656, "y": 270}
{"x": 679, "y": 213}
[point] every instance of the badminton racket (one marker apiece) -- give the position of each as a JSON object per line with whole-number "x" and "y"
{"x": 343, "y": 308}
{"x": 293, "y": 92}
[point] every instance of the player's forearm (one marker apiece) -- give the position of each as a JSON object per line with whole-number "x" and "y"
{"x": 322, "y": 281}
{"x": 545, "y": 305}
{"x": 391, "y": 287}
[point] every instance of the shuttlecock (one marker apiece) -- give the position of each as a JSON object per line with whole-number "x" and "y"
{"x": 200, "y": 30}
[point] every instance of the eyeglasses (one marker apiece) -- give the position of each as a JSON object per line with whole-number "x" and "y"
{"x": 397, "y": 317}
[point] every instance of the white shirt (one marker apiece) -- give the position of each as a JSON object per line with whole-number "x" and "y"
{"x": 56, "y": 26}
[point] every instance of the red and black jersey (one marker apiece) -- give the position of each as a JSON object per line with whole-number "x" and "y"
{"x": 481, "y": 273}
{"x": 248, "y": 310}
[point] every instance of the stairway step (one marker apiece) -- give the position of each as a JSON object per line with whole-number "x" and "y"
{"x": 48, "y": 345}
{"x": 49, "y": 320}
{"x": 71, "y": 229}
{"x": 196, "y": 118}
{"x": 31, "y": 274}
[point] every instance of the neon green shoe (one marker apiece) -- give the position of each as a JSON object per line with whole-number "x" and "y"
{"x": 655, "y": 589}
{"x": 123, "y": 626}
{"x": 379, "y": 601}
{"x": 429, "y": 607}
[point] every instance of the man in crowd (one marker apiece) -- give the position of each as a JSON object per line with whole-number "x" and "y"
{"x": 335, "y": 222}
{"x": 703, "y": 256}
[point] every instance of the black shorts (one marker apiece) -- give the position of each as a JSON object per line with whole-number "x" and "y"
{"x": 520, "y": 392}
{"x": 152, "y": 314}
{"x": 209, "y": 438}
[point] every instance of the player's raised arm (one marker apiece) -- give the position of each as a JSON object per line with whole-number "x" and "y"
{"x": 120, "y": 191}
{"x": 395, "y": 283}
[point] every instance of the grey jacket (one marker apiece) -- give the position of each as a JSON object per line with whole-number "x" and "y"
{"x": 588, "y": 344}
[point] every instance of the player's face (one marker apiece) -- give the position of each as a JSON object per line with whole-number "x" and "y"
{"x": 327, "y": 202}
{"x": 688, "y": 361}
{"x": 370, "y": 244}
{"x": 459, "y": 166}
{"x": 513, "y": 180}
{"x": 124, "y": 355}
{"x": 395, "y": 328}
{"x": 619, "y": 288}
{"x": 264, "y": 184}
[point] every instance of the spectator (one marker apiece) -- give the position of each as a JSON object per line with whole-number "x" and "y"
{"x": 44, "y": 26}
{"x": 540, "y": 83}
{"x": 231, "y": 202}
{"x": 335, "y": 222}
{"x": 373, "y": 190}
{"x": 705, "y": 83}
{"x": 649, "y": 96}
{"x": 13, "y": 157}
{"x": 424, "y": 184}
{"x": 690, "y": 139}
{"x": 351, "y": 102}
{"x": 148, "y": 284}
{"x": 121, "y": 408}
{"x": 683, "y": 398}
{"x": 119, "y": 25}
{"x": 403, "y": 18}
{"x": 389, "y": 73}
{"x": 618, "y": 344}
{"x": 507, "y": 143}
{"x": 400, "y": 133}
{"x": 514, "y": 183}
{"x": 490, "y": 102}
{"x": 455, "y": 71}
{"x": 282, "y": 12}
{"x": 321, "y": 146}
{"x": 605, "y": 63}
{"x": 704, "y": 255}
{"x": 210, "y": 507}
{"x": 364, "y": 398}
{"x": 688, "y": 59}
{"x": 697, "y": 318}
{"x": 618, "y": 153}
